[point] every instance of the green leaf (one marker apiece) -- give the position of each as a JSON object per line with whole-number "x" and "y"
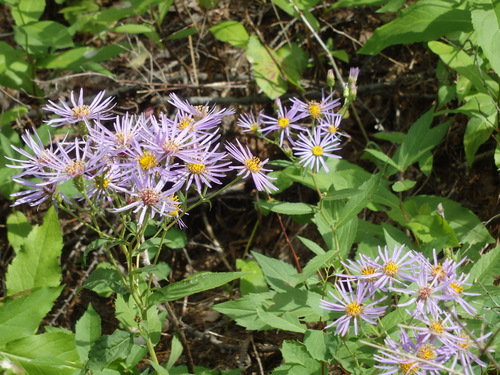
{"x": 109, "y": 348}
{"x": 133, "y": 28}
{"x": 181, "y": 34}
{"x": 38, "y": 262}
{"x": 278, "y": 273}
{"x": 19, "y": 318}
{"x": 421, "y": 138}
{"x": 104, "y": 280}
{"x": 253, "y": 281}
{"x": 16, "y": 70}
{"x": 486, "y": 268}
{"x": 242, "y": 310}
{"x": 356, "y": 3}
{"x": 287, "y": 322}
{"x": 311, "y": 245}
{"x": 266, "y": 73}
{"x": 477, "y": 132}
{"x": 318, "y": 262}
{"x": 296, "y": 353}
{"x": 39, "y": 37}
{"x": 194, "y": 284}
{"x": 485, "y": 16}
{"x": 382, "y": 157}
{"x": 394, "y": 137}
{"x": 432, "y": 227}
{"x": 319, "y": 344}
{"x": 87, "y": 331}
{"x": 293, "y": 62}
{"x": 422, "y": 21}
{"x": 27, "y": 11}
{"x": 232, "y": 32}
{"x": 18, "y": 230}
{"x": 404, "y": 185}
{"x": 176, "y": 349}
{"x": 464, "y": 65}
{"x": 287, "y": 208}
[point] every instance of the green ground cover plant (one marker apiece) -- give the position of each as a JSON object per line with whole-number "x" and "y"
{"x": 414, "y": 293}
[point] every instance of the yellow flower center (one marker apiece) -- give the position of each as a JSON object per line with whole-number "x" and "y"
{"x": 458, "y": 287}
{"x": 333, "y": 129}
{"x": 436, "y": 327}
{"x": 283, "y": 122}
{"x": 254, "y": 127}
{"x": 170, "y": 147}
{"x": 317, "y": 150}
{"x": 123, "y": 138}
{"x": 409, "y": 368}
{"x": 314, "y": 109}
{"x": 147, "y": 161}
{"x": 368, "y": 270}
{"x": 196, "y": 168}
{"x": 353, "y": 309}
{"x": 185, "y": 122}
{"x": 465, "y": 345}
{"x": 426, "y": 351}
{"x": 81, "y": 111}
{"x": 101, "y": 182}
{"x": 253, "y": 164}
{"x": 176, "y": 206}
{"x": 391, "y": 268}
{"x": 438, "y": 271}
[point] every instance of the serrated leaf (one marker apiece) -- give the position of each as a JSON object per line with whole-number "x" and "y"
{"x": 196, "y": 283}
{"x": 287, "y": 322}
{"x": 485, "y": 16}
{"x": 38, "y": 262}
{"x": 266, "y": 73}
{"x": 253, "y": 281}
{"x": 477, "y": 132}
{"x": 422, "y": 21}
{"x": 19, "y": 318}
{"x": 232, "y": 32}
{"x": 105, "y": 279}
{"x": 109, "y": 348}
{"x": 87, "y": 331}
{"x": 277, "y": 273}
{"x": 311, "y": 245}
{"x": 486, "y": 267}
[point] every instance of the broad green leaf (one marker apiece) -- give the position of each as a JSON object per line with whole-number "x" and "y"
{"x": 104, "y": 280}
{"x": 40, "y": 37}
{"x": 486, "y": 268}
{"x": 253, "y": 281}
{"x": 27, "y": 11}
{"x": 266, "y": 73}
{"x": 433, "y": 227}
{"x": 465, "y": 65}
{"x": 311, "y": 245}
{"x": 394, "y": 137}
{"x": 16, "y": 70}
{"x": 159, "y": 370}
{"x": 232, "y": 32}
{"x": 303, "y": 5}
{"x": 318, "y": 262}
{"x": 293, "y": 62}
{"x": 296, "y": 353}
{"x": 181, "y": 34}
{"x": 319, "y": 344}
{"x": 286, "y": 322}
{"x": 421, "y": 138}
{"x": 382, "y": 157}
{"x": 19, "y": 318}
{"x": 11, "y": 115}
{"x": 404, "y": 185}
{"x": 422, "y": 21}
{"x": 87, "y": 331}
{"x": 176, "y": 349}
{"x": 288, "y": 208}
{"x": 485, "y": 16}
{"x": 243, "y": 310}
{"x": 109, "y": 348}
{"x": 38, "y": 262}
{"x": 477, "y": 132}
{"x": 196, "y": 283}
{"x": 277, "y": 273}
{"x": 18, "y": 230}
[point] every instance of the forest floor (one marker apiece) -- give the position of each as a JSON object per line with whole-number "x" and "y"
{"x": 395, "y": 88}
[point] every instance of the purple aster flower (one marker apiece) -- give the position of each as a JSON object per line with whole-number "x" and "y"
{"x": 148, "y": 198}
{"x": 249, "y": 123}
{"x": 354, "y": 307}
{"x": 97, "y": 110}
{"x": 465, "y": 356}
{"x": 454, "y": 287}
{"x": 313, "y": 149}
{"x": 426, "y": 295}
{"x": 41, "y": 159}
{"x": 330, "y": 123}
{"x": 38, "y": 193}
{"x": 207, "y": 167}
{"x": 200, "y": 111}
{"x": 410, "y": 356}
{"x": 287, "y": 119}
{"x": 252, "y": 165}
{"x": 363, "y": 270}
{"x": 317, "y": 110}
{"x": 394, "y": 267}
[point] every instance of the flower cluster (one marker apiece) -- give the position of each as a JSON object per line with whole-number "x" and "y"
{"x": 132, "y": 162}
{"x": 311, "y": 129}
{"x": 435, "y": 291}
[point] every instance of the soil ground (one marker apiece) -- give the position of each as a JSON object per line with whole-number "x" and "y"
{"x": 395, "y": 88}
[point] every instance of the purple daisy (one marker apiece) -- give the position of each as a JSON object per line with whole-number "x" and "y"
{"x": 252, "y": 165}
{"x": 312, "y": 149}
{"x": 354, "y": 307}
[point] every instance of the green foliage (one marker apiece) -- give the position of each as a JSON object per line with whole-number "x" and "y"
{"x": 231, "y": 32}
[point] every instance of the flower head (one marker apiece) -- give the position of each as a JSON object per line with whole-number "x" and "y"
{"x": 312, "y": 149}
{"x": 252, "y": 165}
{"x": 98, "y": 109}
